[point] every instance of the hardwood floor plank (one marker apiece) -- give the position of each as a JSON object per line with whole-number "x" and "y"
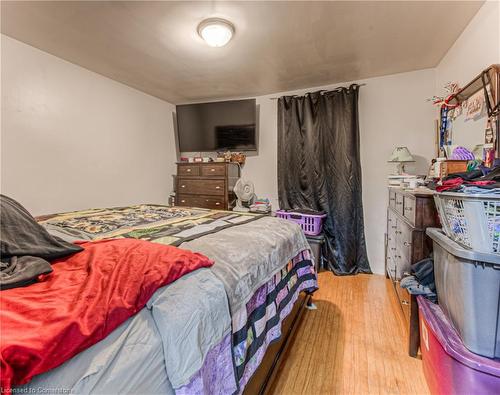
{"x": 354, "y": 343}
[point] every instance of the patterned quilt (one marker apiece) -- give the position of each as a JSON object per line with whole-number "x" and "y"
{"x": 258, "y": 324}
{"x": 254, "y": 327}
{"x": 263, "y": 265}
{"x": 161, "y": 224}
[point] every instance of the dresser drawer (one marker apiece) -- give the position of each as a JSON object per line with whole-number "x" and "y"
{"x": 391, "y": 266}
{"x": 391, "y": 242}
{"x": 188, "y": 170}
{"x": 402, "y": 252}
{"x": 405, "y": 300}
{"x": 392, "y": 198}
{"x": 401, "y": 263}
{"x": 399, "y": 203}
{"x": 199, "y": 186}
{"x": 213, "y": 202}
{"x": 392, "y": 223}
{"x": 404, "y": 239}
{"x": 409, "y": 207}
{"x": 403, "y": 266}
{"x": 213, "y": 170}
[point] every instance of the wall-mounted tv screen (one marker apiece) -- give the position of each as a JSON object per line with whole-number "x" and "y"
{"x": 217, "y": 126}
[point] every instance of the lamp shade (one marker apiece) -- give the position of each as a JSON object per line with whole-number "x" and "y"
{"x": 401, "y": 154}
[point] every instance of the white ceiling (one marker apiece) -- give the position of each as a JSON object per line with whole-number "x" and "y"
{"x": 278, "y": 46}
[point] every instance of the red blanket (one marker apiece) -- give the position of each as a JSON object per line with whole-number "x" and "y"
{"x": 86, "y": 296}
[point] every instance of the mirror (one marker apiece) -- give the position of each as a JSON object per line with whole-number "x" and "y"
{"x": 468, "y": 124}
{"x": 472, "y": 117}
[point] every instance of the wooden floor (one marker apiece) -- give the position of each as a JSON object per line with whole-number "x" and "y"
{"x": 354, "y": 343}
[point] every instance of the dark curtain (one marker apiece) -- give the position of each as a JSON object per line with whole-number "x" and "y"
{"x": 319, "y": 169}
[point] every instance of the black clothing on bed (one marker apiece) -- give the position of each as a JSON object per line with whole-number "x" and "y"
{"x": 21, "y": 271}
{"x": 25, "y": 246}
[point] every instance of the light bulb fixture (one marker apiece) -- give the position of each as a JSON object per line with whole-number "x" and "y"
{"x": 216, "y": 32}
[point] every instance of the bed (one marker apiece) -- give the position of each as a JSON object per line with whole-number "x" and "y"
{"x": 215, "y": 330}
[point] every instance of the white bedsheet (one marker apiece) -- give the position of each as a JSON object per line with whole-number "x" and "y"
{"x": 128, "y": 361}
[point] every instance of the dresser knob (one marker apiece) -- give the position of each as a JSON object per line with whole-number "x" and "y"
{"x": 183, "y": 201}
{"x": 217, "y": 187}
{"x": 217, "y": 204}
{"x": 404, "y": 302}
{"x": 188, "y": 170}
{"x": 183, "y": 186}
{"x": 212, "y": 169}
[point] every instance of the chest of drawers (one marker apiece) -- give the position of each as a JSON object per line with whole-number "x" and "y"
{"x": 408, "y": 215}
{"x": 206, "y": 185}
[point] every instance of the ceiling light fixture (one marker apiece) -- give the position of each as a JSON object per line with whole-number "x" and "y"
{"x": 216, "y": 32}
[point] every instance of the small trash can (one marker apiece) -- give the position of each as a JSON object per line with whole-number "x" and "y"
{"x": 449, "y": 367}
{"x": 315, "y": 242}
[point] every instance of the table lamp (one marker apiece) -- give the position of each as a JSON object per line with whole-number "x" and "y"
{"x": 401, "y": 155}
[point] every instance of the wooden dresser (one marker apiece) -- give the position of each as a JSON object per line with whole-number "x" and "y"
{"x": 408, "y": 215}
{"x": 206, "y": 185}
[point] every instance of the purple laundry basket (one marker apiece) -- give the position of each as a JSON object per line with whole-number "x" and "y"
{"x": 449, "y": 367}
{"x": 311, "y": 224}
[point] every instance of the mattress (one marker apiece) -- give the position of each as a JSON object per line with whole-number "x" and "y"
{"x": 208, "y": 331}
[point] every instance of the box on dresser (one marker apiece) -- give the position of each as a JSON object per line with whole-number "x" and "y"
{"x": 206, "y": 185}
{"x": 408, "y": 215}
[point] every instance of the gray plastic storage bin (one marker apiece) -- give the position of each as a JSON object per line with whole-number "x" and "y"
{"x": 468, "y": 289}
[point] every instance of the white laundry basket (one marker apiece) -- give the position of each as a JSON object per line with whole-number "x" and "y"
{"x": 473, "y": 221}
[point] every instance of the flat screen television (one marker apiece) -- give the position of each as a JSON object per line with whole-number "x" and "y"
{"x": 217, "y": 126}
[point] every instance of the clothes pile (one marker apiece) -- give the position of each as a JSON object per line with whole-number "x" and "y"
{"x": 480, "y": 180}
{"x": 262, "y": 206}
{"x": 421, "y": 280}
{"x": 26, "y": 248}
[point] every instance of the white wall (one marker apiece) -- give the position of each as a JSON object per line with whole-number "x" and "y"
{"x": 393, "y": 111}
{"x": 73, "y": 139}
{"x": 477, "y": 48}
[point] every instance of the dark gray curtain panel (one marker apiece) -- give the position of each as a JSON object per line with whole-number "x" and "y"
{"x": 319, "y": 169}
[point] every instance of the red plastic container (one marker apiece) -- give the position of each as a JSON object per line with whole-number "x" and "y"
{"x": 310, "y": 224}
{"x": 449, "y": 367}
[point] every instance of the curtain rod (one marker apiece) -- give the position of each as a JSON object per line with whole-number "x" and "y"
{"x": 276, "y": 98}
